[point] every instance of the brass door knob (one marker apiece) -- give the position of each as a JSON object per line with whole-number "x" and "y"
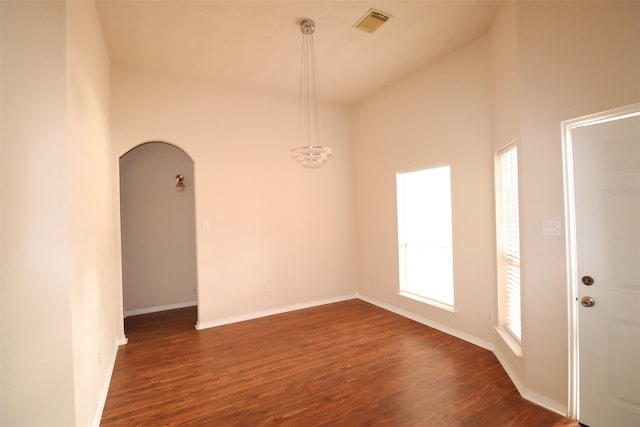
{"x": 588, "y": 302}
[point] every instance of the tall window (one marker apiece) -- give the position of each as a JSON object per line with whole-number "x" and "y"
{"x": 508, "y": 239}
{"x": 424, "y": 236}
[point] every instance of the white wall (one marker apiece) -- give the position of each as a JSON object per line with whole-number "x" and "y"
{"x": 437, "y": 115}
{"x": 575, "y": 58}
{"x": 59, "y": 313}
{"x": 505, "y": 127}
{"x": 273, "y": 223}
{"x": 37, "y": 366}
{"x": 95, "y": 300}
{"x": 544, "y": 62}
{"x": 158, "y": 228}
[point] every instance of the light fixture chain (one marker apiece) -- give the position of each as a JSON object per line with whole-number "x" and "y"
{"x": 313, "y": 102}
{"x": 301, "y": 92}
{"x": 310, "y": 91}
{"x": 319, "y": 112}
{"x": 309, "y": 104}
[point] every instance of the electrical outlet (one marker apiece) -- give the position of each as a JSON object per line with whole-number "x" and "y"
{"x": 489, "y": 316}
{"x": 267, "y": 291}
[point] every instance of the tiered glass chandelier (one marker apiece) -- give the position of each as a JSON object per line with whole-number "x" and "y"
{"x": 311, "y": 155}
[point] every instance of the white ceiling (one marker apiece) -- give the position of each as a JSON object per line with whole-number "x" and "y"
{"x": 256, "y": 44}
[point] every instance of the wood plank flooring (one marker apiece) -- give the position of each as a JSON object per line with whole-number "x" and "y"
{"x": 344, "y": 364}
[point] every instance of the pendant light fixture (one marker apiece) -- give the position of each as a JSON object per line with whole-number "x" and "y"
{"x": 311, "y": 155}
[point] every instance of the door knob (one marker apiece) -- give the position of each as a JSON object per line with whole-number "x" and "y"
{"x": 588, "y": 302}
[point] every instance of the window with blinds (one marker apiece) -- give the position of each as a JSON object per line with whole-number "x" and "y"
{"x": 508, "y": 239}
{"x": 425, "y": 244}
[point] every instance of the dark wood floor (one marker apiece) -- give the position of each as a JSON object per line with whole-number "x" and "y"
{"x": 344, "y": 364}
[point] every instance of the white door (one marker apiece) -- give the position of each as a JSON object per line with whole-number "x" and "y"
{"x": 606, "y": 166}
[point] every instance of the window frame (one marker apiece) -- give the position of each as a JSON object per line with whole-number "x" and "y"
{"x": 404, "y": 288}
{"x": 509, "y": 299}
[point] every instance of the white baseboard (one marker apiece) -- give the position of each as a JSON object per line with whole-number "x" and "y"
{"x": 547, "y": 403}
{"x": 428, "y": 322}
{"x": 529, "y": 395}
{"x": 534, "y": 397}
{"x": 155, "y": 309}
{"x": 107, "y": 380}
{"x": 515, "y": 378}
{"x": 241, "y": 318}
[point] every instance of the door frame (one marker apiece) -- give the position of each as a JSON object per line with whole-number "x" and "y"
{"x": 118, "y": 212}
{"x": 571, "y": 246}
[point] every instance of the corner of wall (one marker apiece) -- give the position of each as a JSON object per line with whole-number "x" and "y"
{"x": 107, "y": 381}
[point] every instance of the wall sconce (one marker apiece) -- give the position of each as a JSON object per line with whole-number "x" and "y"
{"x": 180, "y": 183}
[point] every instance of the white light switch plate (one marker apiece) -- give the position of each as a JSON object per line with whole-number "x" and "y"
{"x": 551, "y": 227}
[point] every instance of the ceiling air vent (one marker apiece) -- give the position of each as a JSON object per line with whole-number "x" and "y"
{"x": 371, "y": 21}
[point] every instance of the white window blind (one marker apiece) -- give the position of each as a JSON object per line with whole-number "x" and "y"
{"x": 509, "y": 239}
{"x": 425, "y": 236}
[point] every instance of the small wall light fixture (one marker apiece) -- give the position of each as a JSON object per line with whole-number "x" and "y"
{"x": 180, "y": 183}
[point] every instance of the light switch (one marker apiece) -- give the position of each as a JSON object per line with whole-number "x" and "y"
{"x": 551, "y": 227}
{"x": 206, "y": 226}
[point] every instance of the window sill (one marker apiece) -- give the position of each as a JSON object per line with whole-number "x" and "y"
{"x": 511, "y": 342}
{"x": 438, "y": 305}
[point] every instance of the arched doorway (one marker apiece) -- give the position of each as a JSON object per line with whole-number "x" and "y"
{"x": 157, "y": 229}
